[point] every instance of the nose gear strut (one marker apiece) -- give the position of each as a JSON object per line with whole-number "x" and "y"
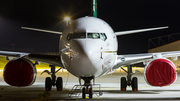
{"x": 88, "y": 87}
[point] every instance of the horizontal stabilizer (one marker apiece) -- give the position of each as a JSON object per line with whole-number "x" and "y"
{"x": 137, "y": 31}
{"x": 42, "y": 30}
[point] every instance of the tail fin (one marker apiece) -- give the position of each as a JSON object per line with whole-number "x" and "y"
{"x": 95, "y": 8}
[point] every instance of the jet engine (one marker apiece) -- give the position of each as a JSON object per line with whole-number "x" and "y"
{"x": 160, "y": 72}
{"x": 20, "y": 72}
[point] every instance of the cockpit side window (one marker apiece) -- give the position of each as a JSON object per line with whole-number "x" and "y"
{"x": 69, "y": 37}
{"x": 103, "y": 36}
{"x": 93, "y": 35}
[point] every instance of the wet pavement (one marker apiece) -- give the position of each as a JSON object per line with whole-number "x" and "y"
{"x": 110, "y": 87}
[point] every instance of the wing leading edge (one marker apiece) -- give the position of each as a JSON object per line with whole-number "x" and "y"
{"x": 137, "y": 31}
{"x": 123, "y": 60}
{"x": 50, "y": 59}
{"x": 42, "y": 30}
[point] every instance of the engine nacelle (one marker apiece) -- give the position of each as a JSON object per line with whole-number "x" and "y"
{"x": 20, "y": 72}
{"x": 160, "y": 72}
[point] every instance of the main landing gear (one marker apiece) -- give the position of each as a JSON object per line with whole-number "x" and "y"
{"x": 129, "y": 82}
{"x": 49, "y": 82}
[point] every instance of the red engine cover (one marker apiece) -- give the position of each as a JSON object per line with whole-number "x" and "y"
{"x": 19, "y": 72}
{"x": 160, "y": 72}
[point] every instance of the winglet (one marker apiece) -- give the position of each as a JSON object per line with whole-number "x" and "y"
{"x": 42, "y": 30}
{"x": 137, "y": 31}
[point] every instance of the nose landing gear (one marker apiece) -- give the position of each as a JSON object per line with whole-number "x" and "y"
{"x": 88, "y": 87}
{"x": 87, "y": 90}
{"x": 49, "y": 82}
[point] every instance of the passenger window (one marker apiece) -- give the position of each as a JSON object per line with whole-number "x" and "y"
{"x": 93, "y": 35}
{"x": 103, "y": 36}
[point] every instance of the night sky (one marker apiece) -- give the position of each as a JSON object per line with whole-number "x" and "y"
{"x": 121, "y": 15}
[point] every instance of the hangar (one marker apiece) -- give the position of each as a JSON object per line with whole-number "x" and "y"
{"x": 165, "y": 44}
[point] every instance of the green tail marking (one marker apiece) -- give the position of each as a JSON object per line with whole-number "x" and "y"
{"x": 95, "y": 8}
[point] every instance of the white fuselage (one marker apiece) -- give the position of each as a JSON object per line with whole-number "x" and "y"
{"x": 89, "y": 47}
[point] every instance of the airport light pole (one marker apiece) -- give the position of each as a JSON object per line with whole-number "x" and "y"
{"x": 67, "y": 19}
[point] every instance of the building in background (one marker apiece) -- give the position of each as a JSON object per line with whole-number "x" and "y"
{"x": 165, "y": 44}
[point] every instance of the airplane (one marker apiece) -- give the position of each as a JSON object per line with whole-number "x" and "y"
{"x": 88, "y": 49}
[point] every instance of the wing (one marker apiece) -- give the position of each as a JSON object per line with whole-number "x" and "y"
{"x": 137, "y": 31}
{"x": 50, "y": 59}
{"x": 123, "y": 60}
{"x": 42, "y": 30}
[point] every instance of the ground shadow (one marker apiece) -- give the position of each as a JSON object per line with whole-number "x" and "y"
{"x": 137, "y": 92}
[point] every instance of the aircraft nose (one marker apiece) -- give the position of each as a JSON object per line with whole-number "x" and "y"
{"x": 88, "y": 57}
{"x": 92, "y": 49}
{"x": 87, "y": 48}
{"x": 78, "y": 46}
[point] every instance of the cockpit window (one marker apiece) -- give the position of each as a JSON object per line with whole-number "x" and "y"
{"x": 76, "y": 36}
{"x": 103, "y": 36}
{"x": 79, "y": 35}
{"x": 93, "y": 35}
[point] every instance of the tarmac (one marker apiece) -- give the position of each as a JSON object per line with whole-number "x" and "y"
{"x": 110, "y": 87}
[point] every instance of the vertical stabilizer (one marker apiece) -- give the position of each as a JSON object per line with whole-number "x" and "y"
{"x": 94, "y": 8}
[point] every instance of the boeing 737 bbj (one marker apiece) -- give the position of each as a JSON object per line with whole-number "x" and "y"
{"x": 88, "y": 49}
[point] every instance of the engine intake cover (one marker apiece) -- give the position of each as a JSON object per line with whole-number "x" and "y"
{"x": 19, "y": 72}
{"x": 160, "y": 72}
